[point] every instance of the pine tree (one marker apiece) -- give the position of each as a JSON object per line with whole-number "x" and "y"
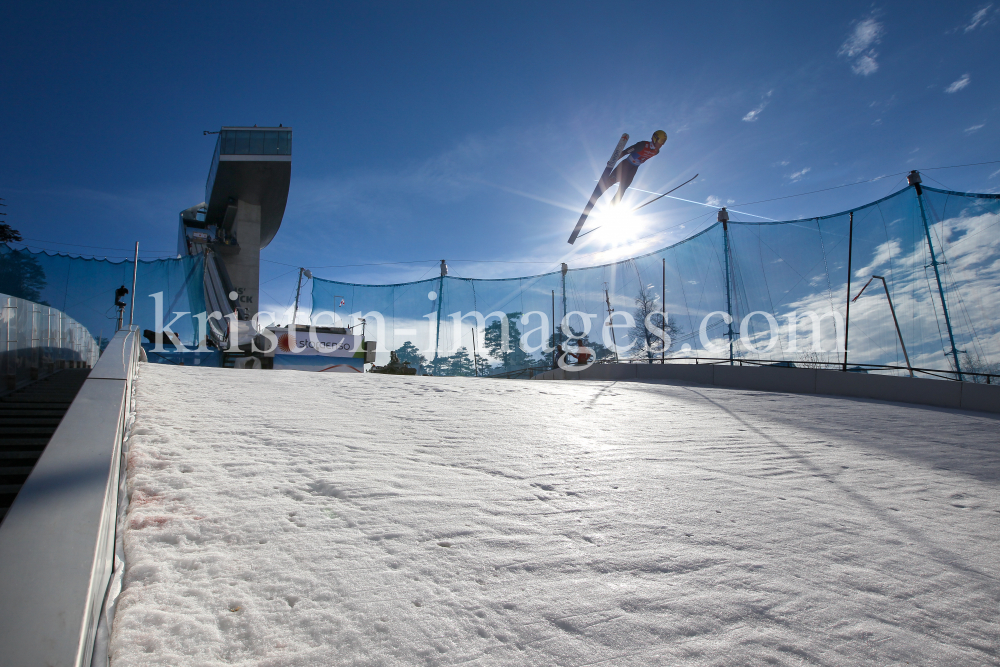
{"x": 21, "y": 275}
{"x": 485, "y": 366}
{"x": 408, "y": 352}
{"x": 460, "y": 364}
{"x": 8, "y": 234}
{"x": 511, "y": 356}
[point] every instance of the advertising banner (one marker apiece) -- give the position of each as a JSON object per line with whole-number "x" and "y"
{"x": 316, "y": 343}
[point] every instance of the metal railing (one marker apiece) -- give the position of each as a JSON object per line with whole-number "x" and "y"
{"x": 58, "y": 540}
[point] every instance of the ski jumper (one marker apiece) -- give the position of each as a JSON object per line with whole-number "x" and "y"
{"x": 623, "y": 174}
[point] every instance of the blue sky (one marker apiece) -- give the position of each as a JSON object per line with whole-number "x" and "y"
{"x": 474, "y": 132}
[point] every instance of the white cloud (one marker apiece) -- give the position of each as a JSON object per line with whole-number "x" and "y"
{"x": 995, "y": 173}
{"x": 884, "y": 253}
{"x": 713, "y": 201}
{"x": 797, "y": 176}
{"x": 974, "y": 128}
{"x": 858, "y": 46}
{"x": 958, "y": 85}
{"x": 754, "y": 113}
{"x": 865, "y": 65}
{"x": 979, "y": 18}
{"x": 865, "y": 34}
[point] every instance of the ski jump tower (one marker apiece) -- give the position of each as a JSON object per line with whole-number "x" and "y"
{"x": 245, "y": 198}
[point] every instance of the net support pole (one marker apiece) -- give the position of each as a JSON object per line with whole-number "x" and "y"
{"x": 913, "y": 178}
{"x": 475, "y": 352}
{"x": 563, "y": 269}
{"x": 440, "y": 300}
{"x": 850, "y": 255}
{"x": 663, "y": 297}
{"x": 892, "y": 310}
{"x": 899, "y": 333}
{"x": 611, "y": 323}
{"x": 724, "y": 219}
{"x": 553, "y": 328}
{"x": 135, "y": 274}
{"x": 298, "y": 289}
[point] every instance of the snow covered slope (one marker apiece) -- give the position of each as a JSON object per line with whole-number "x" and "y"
{"x": 381, "y": 520}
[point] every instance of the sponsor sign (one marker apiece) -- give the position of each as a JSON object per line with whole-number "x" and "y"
{"x": 305, "y": 343}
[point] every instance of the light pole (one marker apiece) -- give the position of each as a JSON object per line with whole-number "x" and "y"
{"x": 135, "y": 274}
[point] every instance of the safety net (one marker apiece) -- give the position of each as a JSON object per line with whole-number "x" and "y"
{"x": 84, "y": 289}
{"x": 750, "y": 292}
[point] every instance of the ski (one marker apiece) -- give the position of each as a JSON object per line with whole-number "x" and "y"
{"x": 666, "y": 193}
{"x": 597, "y": 191}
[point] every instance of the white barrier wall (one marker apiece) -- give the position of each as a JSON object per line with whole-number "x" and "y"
{"x": 940, "y": 393}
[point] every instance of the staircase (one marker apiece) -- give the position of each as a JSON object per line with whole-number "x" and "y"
{"x": 28, "y": 418}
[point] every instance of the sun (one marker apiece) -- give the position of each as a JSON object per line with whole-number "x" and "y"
{"x": 617, "y": 225}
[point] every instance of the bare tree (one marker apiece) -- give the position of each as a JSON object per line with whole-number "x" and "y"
{"x": 978, "y": 365}
{"x": 648, "y": 342}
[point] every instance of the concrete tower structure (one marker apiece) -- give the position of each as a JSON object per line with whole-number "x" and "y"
{"x": 245, "y": 198}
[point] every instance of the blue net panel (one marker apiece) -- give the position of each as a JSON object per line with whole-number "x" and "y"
{"x": 84, "y": 288}
{"x": 783, "y": 285}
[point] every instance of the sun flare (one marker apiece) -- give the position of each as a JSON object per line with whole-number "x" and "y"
{"x": 617, "y": 225}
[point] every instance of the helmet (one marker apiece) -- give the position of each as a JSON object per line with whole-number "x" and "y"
{"x": 660, "y": 136}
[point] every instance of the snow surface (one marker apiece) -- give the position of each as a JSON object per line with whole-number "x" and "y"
{"x": 291, "y": 518}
